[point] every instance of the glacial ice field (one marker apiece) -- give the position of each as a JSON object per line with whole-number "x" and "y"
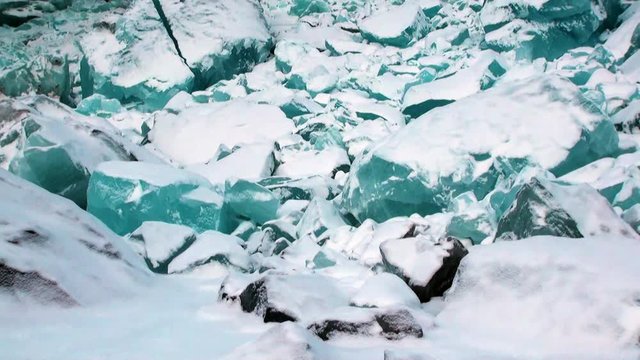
{"x": 319, "y": 180}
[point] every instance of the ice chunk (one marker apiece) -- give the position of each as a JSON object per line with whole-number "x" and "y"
{"x": 556, "y": 290}
{"x": 540, "y": 28}
{"x": 463, "y": 146}
{"x": 547, "y": 208}
{"x": 399, "y": 26}
{"x": 125, "y": 194}
{"x": 624, "y": 40}
{"x": 224, "y": 39}
{"x": 302, "y": 188}
{"x": 195, "y": 134}
{"x": 53, "y": 252}
{"x": 427, "y": 266}
{"x": 212, "y": 246}
{"x": 247, "y": 200}
{"x": 159, "y": 243}
{"x": 480, "y": 75}
{"x": 48, "y": 144}
{"x": 319, "y": 217}
{"x": 383, "y": 290}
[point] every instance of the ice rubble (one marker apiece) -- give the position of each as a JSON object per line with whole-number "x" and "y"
{"x": 338, "y": 164}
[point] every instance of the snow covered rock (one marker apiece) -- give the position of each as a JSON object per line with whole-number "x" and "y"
{"x": 53, "y": 252}
{"x": 125, "y": 194}
{"x": 159, "y": 243}
{"x": 194, "y": 135}
{"x": 384, "y": 290}
{"x": 574, "y": 296}
{"x": 427, "y": 266}
{"x": 212, "y": 246}
{"x": 279, "y": 298}
{"x": 389, "y": 323}
{"x": 543, "y": 207}
{"x": 47, "y": 143}
{"x": 464, "y": 146}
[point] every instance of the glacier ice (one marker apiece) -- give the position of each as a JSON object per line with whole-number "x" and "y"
{"x": 124, "y": 195}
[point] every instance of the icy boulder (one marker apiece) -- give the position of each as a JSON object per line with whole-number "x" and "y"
{"x": 572, "y": 295}
{"x": 625, "y": 40}
{"x": 427, "y": 266}
{"x": 393, "y": 324}
{"x": 125, "y": 194}
{"x": 546, "y": 28}
{"x": 465, "y": 145}
{"x": 159, "y": 243}
{"x": 544, "y": 207}
{"x": 209, "y": 247}
{"x": 279, "y": 298}
{"x": 195, "y": 134}
{"x": 399, "y": 26}
{"x": 53, "y": 252}
{"x": 50, "y": 145}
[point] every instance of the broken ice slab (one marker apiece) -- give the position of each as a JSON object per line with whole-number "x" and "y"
{"x": 50, "y": 145}
{"x": 399, "y": 26}
{"x": 126, "y": 194}
{"x": 320, "y": 217}
{"x": 609, "y": 176}
{"x": 224, "y": 39}
{"x": 480, "y": 75}
{"x": 544, "y": 207}
{"x": 461, "y": 147}
{"x": 130, "y": 63}
{"x": 194, "y": 135}
{"x": 472, "y": 219}
{"x": 536, "y": 29}
{"x": 246, "y": 200}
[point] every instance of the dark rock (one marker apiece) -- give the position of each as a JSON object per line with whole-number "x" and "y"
{"x": 436, "y": 280}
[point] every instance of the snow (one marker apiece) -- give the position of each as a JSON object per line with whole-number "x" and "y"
{"x": 391, "y": 23}
{"x": 194, "y": 135}
{"x": 161, "y": 241}
{"x": 571, "y": 295}
{"x": 313, "y": 162}
{"x": 418, "y": 258}
{"x": 249, "y": 162}
{"x": 384, "y": 290}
